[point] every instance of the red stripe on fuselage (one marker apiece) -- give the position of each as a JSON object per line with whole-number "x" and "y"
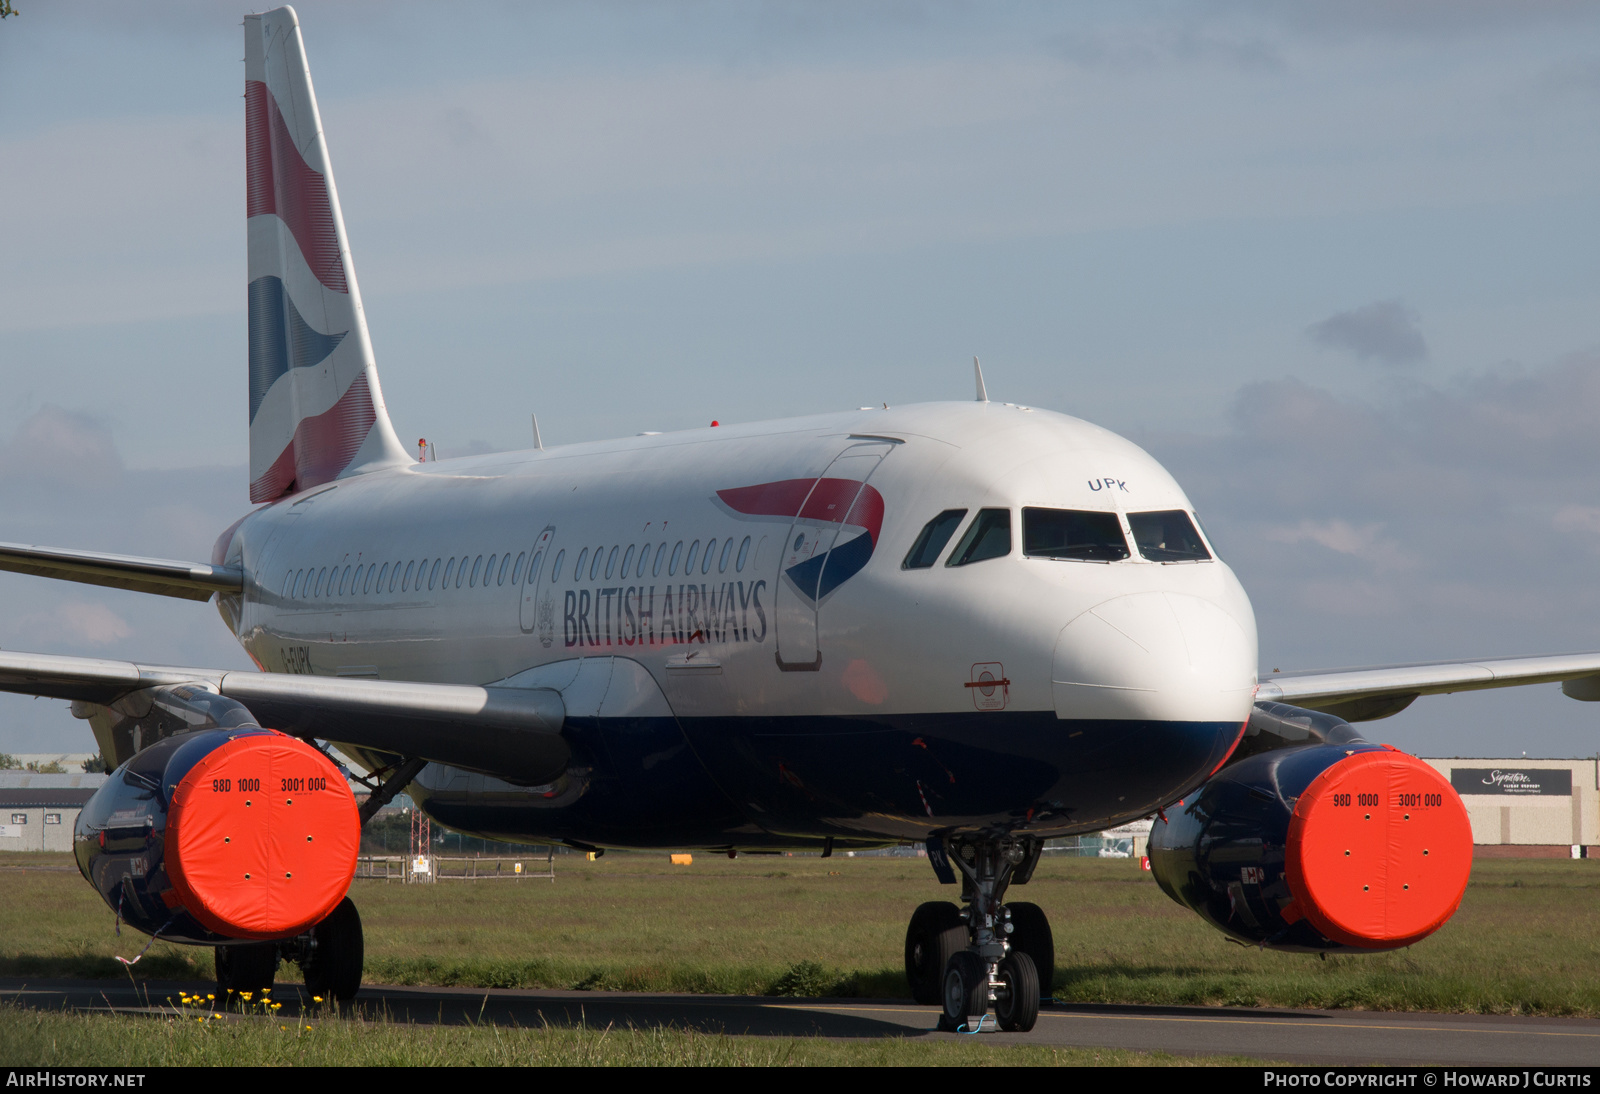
{"x": 323, "y": 446}
{"x": 837, "y": 501}
{"x": 279, "y": 181}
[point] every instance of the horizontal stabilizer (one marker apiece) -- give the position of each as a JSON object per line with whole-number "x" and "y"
{"x": 513, "y": 733}
{"x": 165, "y": 576}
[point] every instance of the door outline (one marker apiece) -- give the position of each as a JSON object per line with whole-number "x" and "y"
{"x": 528, "y": 608}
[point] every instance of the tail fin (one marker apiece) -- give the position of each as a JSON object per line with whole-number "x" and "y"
{"x": 316, "y": 411}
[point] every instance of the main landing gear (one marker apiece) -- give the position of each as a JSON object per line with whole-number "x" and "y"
{"x": 330, "y": 956}
{"x": 965, "y": 959}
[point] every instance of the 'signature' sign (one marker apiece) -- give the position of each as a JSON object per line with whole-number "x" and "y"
{"x": 1512, "y": 780}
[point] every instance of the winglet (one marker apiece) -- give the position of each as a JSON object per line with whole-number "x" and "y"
{"x": 977, "y": 372}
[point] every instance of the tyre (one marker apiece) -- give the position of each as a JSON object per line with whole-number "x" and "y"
{"x": 937, "y": 931}
{"x": 334, "y": 969}
{"x": 246, "y": 967}
{"x": 966, "y": 989}
{"x": 1031, "y": 935}
{"x": 1016, "y": 1005}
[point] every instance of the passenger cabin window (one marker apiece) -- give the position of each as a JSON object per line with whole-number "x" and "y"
{"x": 611, "y": 563}
{"x": 627, "y": 561}
{"x": 1073, "y": 534}
{"x": 449, "y": 571}
{"x": 555, "y": 571}
{"x": 1168, "y": 536}
{"x": 516, "y": 570}
{"x": 988, "y": 536}
{"x": 711, "y": 550}
{"x": 661, "y": 556}
{"x": 672, "y": 567}
{"x": 688, "y": 563}
{"x": 931, "y": 540}
{"x": 744, "y": 553}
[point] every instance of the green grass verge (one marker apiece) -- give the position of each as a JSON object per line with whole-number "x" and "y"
{"x": 44, "y": 1039}
{"x": 1526, "y": 940}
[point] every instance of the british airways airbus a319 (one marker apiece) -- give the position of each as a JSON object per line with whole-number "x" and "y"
{"x": 970, "y": 625}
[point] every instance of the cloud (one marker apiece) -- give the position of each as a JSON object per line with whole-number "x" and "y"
{"x": 1385, "y": 331}
{"x": 57, "y": 448}
{"x": 1137, "y": 48}
{"x": 1364, "y": 542}
{"x": 1461, "y": 514}
{"x": 80, "y": 623}
{"x": 1580, "y": 520}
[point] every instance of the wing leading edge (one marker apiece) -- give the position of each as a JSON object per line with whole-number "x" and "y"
{"x": 512, "y": 733}
{"x": 1360, "y": 695}
{"x": 163, "y": 576}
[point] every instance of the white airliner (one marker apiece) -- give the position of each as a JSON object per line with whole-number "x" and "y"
{"x": 970, "y": 625}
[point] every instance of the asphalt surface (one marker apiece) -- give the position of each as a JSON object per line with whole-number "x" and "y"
{"x": 1289, "y": 1036}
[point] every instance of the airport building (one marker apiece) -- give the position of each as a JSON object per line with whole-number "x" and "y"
{"x": 38, "y": 812}
{"x": 1529, "y": 808}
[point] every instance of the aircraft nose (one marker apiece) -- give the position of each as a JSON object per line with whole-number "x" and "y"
{"x": 1158, "y": 656}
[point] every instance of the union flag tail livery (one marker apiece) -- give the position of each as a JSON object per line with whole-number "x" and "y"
{"x": 316, "y": 411}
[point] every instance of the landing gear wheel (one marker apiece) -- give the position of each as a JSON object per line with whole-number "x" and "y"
{"x": 1016, "y": 1004}
{"x": 334, "y": 968}
{"x": 937, "y": 932}
{"x": 246, "y": 967}
{"x": 966, "y": 990}
{"x": 1031, "y": 934}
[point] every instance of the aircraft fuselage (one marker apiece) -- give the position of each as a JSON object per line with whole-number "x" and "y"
{"x": 746, "y": 658}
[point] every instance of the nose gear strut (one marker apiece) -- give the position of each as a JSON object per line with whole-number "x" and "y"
{"x": 987, "y": 953}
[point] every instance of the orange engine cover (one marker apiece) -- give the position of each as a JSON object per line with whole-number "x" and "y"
{"x": 1379, "y": 851}
{"x": 262, "y": 837}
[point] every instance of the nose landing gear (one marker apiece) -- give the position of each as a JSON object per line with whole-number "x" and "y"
{"x": 989, "y": 952}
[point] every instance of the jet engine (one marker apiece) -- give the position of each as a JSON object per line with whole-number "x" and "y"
{"x": 218, "y": 835}
{"x": 1330, "y": 845}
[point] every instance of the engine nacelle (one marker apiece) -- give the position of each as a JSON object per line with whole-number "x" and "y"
{"x": 1321, "y": 847}
{"x": 218, "y": 835}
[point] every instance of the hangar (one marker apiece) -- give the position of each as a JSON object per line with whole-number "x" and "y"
{"x": 38, "y": 811}
{"x": 1523, "y": 808}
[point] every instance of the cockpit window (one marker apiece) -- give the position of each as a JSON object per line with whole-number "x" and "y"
{"x": 1080, "y": 535}
{"x": 1168, "y": 536}
{"x": 988, "y": 536}
{"x": 931, "y": 540}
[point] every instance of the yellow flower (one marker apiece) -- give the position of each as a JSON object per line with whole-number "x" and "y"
{"x": 210, "y": 996}
{"x": 315, "y": 999}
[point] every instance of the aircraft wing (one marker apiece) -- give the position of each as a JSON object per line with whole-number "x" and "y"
{"x": 164, "y": 576}
{"x": 1359, "y": 695}
{"x": 514, "y": 733}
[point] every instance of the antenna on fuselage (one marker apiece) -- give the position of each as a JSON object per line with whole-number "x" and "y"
{"x": 977, "y": 372}
{"x": 537, "y": 443}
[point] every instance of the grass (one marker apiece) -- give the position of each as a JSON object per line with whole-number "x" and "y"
{"x": 1526, "y": 940}
{"x": 43, "y": 1039}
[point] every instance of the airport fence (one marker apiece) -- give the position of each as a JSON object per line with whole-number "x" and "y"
{"x": 430, "y": 868}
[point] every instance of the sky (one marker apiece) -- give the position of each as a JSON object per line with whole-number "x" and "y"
{"x": 1332, "y": 263}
